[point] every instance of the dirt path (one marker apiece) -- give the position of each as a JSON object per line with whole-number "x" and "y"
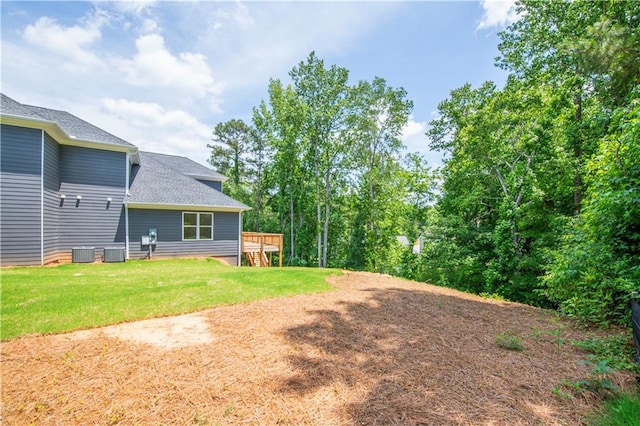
{"x": 377, "y": 350}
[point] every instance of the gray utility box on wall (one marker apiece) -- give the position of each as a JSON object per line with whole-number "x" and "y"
{"x": 114, "y": 254}
{"x": 83, "y": 254}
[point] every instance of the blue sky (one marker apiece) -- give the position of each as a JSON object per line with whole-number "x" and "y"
{"x": 162, "y": 74}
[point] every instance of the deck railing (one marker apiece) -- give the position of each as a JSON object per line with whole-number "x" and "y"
{"x": 260, "y": 246}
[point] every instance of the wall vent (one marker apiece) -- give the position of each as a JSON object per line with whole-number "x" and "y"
{"x": 83, "y": 254}
{"x": 114, "y": 254}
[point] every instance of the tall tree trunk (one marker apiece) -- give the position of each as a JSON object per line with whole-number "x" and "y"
{"x": 316, "y": 155}
{"x": 236, "y": 168}
{"x": 292, "y": 251}
{"x": 258, "y": 197}
{"x": 327, "y": 210}
{"x": 373, "y": 237}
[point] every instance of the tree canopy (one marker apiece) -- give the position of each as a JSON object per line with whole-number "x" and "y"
{"x": 538, "y": 199}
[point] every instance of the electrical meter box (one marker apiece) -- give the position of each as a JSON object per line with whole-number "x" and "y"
{"x": 153, "y": 236}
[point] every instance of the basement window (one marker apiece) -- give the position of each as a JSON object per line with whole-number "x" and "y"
{"x": 197, "y": 226}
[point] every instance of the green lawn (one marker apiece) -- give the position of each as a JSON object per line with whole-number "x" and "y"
{"x": 76, "y": 296}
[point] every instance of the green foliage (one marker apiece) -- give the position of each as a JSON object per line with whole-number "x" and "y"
{"x": 75, "y": 296}
{"x": 538, "y": 197}
{"x": 541, "y": 176}
{"x": 239, "y": 152}
{"x": 509, "y": 341}
{"x": 616, "y": 350}
{"x": 598, "y": 382}
{"x": 334, "y": 178}
{"x": 623, "y": 410}
{"x": 592, "y": 274}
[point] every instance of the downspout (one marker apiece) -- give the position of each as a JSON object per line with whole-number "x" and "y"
{"x": 41, "y": 197}
{"x": 126, "y": 207}
{"x": 239, "y": 238}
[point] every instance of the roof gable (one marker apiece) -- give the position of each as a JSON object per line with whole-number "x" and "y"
{"x": 77, "y": 128}
{"x": 74, "y": 128}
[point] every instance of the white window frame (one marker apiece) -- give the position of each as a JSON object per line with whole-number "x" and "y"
{"x": 197, "y": 226}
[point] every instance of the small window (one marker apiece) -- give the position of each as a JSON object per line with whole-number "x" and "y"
{"x": 197, "y": 226}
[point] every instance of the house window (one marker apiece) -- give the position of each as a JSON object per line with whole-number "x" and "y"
{"x": 197, "y": 226}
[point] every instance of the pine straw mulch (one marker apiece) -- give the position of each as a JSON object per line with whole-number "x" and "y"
{"x": 376, "y": 350}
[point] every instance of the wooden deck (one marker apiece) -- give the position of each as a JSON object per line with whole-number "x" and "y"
{"x": 259, "y": 248}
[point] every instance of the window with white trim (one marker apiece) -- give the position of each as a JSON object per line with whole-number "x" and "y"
{"x": 197, "y": 226}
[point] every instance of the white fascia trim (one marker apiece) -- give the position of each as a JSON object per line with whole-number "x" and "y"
{"x": 207, "y": 177}
{"x": 186, "y": 207}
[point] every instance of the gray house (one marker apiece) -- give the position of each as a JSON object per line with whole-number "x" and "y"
{"x": 71, "y": 191}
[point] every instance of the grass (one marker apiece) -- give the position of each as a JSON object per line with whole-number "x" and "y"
{"x": 621, "y": 411}
{"x": 76, "y": 296}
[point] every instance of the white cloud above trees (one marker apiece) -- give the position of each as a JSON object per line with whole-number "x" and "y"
{"x": 155, "y": 128}
{"x": 497, "y": 13}
{"x": 154, "y": 65}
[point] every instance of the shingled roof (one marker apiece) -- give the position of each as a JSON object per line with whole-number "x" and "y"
{"x": 157, "y": 183}
{"x": 10, "y": 107}
{"x": 186, "y": 166}
{"x": 74, "y": 127}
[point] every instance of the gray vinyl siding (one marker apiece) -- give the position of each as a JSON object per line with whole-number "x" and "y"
{"x": 51, "y": 201}
{"x": 212, "y": 184}
{"x": 20, "y": 195}
{"x": 225, "y": 226}
{"x": 91, "y": 221}
{"x": 170, "y": 244}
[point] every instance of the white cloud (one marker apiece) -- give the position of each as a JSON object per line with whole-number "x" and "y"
{"x": 135, "y": 7}
{"x": 239, "y": 17}
{"x": 152, "y": 127}
{"x": 413, "y": 129}
{"x": 155, "y": 66}
{"x": 498, "y": 13}
{"x": 263, "y": 40}
{"x": 149, "y": 26}
{"x": 159, "y": 71}
{"x": 414, "y": 138}
{"x": 146, "y": 114}
{"x": 73, "y": 43}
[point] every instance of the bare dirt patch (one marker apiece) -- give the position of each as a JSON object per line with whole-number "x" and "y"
{"x": 377, "y": 350}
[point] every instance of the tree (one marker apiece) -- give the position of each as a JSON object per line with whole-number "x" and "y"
{"x": 280, "y": 122}
{"x": 381, "y": 114}
{"x": 499, "y": 195}
{"x": 568, "y": 45}
{"x": 230, "y": 142}
{"x": 323, "y": 97}
{"x": 594, "y": 271}
{"x": 256, "y": 163}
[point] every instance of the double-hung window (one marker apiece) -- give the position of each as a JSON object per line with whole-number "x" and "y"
{"x": 197, "y": 226}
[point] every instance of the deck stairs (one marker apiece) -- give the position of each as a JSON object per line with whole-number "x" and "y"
{"x": 258, "y": 259}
